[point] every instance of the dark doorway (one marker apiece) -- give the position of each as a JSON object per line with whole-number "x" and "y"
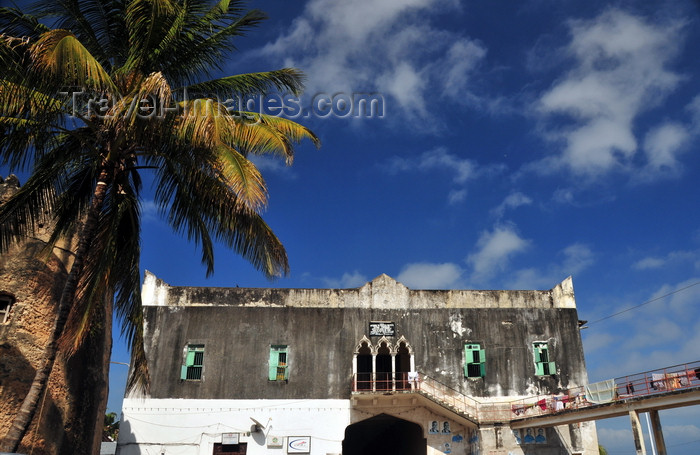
{"x": 383, "y": 368}
{"x": 230, "y": 449}
{"x": 384, "y": 435}
{"x": 364, "y": 368}
{"x": 403, "y": 366}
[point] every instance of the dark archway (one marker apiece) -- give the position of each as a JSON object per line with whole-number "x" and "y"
{"x": 384, "y": 435}
{"x": 403, "y": 366}
{"x": 364, "y": 368}
{"x": 384, "y": 367}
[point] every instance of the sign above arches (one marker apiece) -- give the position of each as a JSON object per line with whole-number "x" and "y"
{"x": 382, "y": 328}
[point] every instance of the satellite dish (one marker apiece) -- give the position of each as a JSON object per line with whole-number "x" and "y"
{"x": 257, "y": 426}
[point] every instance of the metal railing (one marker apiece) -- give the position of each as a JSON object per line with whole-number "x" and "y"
{"x": 646, "y": 384}
{"x": 415, "y": 382}
{"x": 649, "y": 383}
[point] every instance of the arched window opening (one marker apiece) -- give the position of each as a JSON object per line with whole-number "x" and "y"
{"x": 364, "y": 367}
{"x": 384, "y": 367}
{"x": 403, "y": 366}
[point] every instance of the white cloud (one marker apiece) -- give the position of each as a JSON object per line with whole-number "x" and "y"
{"x": 597, "y": 341}
{"x": 425, "y": 275}
{"x": 272, "y": 164}
{"x": 649, "y": 263}
{"x": 662, "y": 145}
{"x": 348, "y": 280}
{"x": 577, "y": 257}
{"x": 512, "y": 201}
{"x": 672, "y": 258}
{"x": 694, "y": 108}
{"x": 390, "y": 47}
{"x": 456, "y": 196}
{"x": 574, "y": 259}
{"x": 440, "y": 159}
{"x": 621, "y": 70}
{"x": 149, "y": 210}
{"x": 463, "y": 169}
{"x": 494, "y": 249}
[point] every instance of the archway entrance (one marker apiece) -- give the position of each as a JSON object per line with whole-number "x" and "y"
{"x": 384, "y": 435}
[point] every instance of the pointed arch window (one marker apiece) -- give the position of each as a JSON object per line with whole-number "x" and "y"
{"x": 383, "y": 366}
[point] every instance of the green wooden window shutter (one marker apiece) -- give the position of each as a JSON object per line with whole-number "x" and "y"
{"x": 543, "y": 367}
{"x": 192, "y": 369}
{"x": 474, "y": 361}
{"x": 467, "y": 359}
{"x": 183, "y": 372}
{"x": 274, "y": 358}
{"x": 190, "y": 358}
{"x": 539, "y": 369}
{"x": 278, "y": 367}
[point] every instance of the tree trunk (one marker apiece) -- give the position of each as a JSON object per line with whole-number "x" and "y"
{"x": 24, "y": 417}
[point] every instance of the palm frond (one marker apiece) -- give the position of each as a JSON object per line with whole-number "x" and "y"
{"x": 285, "y": 80}
{"x": 62, "y": 55}
{"x": 260, "y": 134}
{"x": 13, "y": 22}
{"x": 202, "y": 205}
{"x": 147, "y": 22}
{"x": 98, "y": 24}
{"x": 147, "y": 101}
{"x": 199, "y": 53}
{"x": 24, "y": 212}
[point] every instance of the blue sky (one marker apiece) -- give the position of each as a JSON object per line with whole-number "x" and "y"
{"x": 520, "y": 143}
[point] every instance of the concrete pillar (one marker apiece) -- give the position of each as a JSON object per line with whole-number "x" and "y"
{"x": 575, "y": 435}
{"x": 658, "y": 433}
{"x": 374, "y": 372}
{"x": 393, "y": 371}
{"x": 637, "y": 433}
{"x": 354, "y": 372}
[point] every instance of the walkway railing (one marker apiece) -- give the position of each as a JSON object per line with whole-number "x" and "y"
{"x": 649, "y": 383}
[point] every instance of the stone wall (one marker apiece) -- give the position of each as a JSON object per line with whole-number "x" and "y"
{"x": 70, "y": 416}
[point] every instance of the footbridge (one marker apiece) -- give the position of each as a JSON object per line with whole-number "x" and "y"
{"x": 650, "y": 391}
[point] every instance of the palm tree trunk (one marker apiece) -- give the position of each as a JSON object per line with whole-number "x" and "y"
{"x": 24, "y": 417}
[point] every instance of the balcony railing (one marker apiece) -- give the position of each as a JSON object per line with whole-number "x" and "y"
{"x": 649, "y": 383}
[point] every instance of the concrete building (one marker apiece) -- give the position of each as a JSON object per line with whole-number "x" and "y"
{"x": 380, "y": 369}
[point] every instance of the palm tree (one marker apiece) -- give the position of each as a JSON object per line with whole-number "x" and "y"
{"x": 137, "y": 65}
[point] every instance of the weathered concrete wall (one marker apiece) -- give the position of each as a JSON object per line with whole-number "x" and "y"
{"x": 237, "y": 327}
{"x": 73, "y": 410}
{"x": 322, "y": 329}
{"x": 382, "y": 292}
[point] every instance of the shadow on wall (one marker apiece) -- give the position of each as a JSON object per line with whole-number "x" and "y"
{"x": 16, "y": 375}
{"x": 543, "y": 441}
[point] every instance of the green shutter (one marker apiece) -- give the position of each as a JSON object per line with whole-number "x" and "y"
{"x": 474, "y": 355}
{"x": 189, "y": 361}
{"x": 183, "y": 372}
{"x": 467, "y": 359}
{"x": 552, "y": 368}
{"x": 539, "y": 368}
{"x": 274, "y": 358}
